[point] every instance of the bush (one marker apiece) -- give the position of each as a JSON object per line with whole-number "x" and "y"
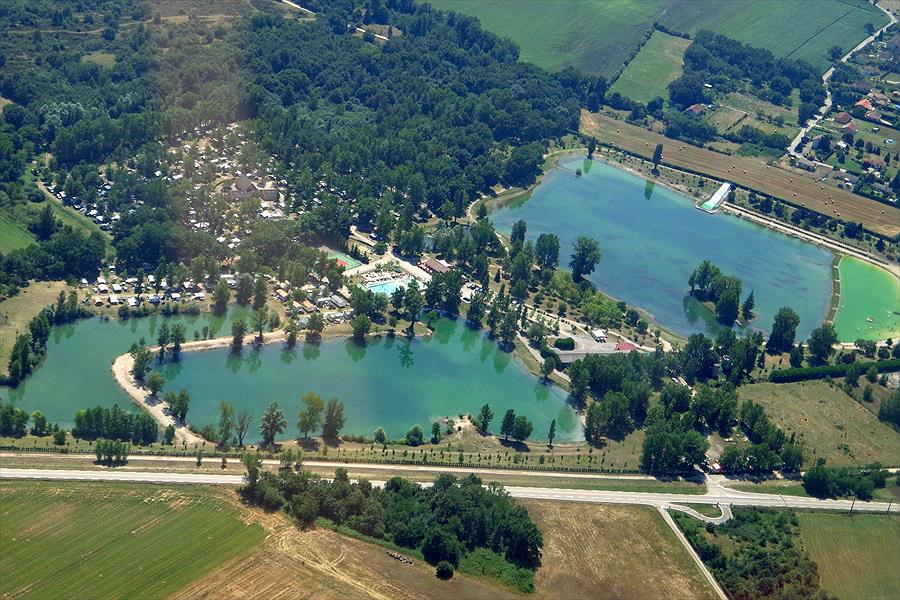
{"x": 821, "y": 372}
{"x": 564, "y": 343}
{"x": 444, "y": 570}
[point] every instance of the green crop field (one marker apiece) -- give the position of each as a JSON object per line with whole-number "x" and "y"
{"x": 13, "y": 234}
{"x": 658, "y": 63}
{"x": 97, "y": 540}
{"x": 830, "y": 423}
{"x": 856, "y": 555}
{"x": 596, "y": 36}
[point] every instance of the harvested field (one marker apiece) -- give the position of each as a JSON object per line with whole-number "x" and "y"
{"x": 608, "y": 551}
{"x": 746, "y": 172}
{"x": 829, "y": 422}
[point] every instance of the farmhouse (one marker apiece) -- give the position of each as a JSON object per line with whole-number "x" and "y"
{"x": 694, "y": 109}
{"x": 866, "y": 104}
{"x": 843, "y": 118}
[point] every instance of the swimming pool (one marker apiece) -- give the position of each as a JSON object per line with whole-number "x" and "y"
{"x": 388, "y": 287}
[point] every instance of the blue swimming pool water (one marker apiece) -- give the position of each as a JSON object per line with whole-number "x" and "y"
{"x": 388, "y": 287}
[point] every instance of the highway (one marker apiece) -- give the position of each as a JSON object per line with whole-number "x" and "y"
{"x": 717, "y": 494}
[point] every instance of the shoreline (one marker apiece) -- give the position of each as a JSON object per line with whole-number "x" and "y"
{"x": 836, "y": 248}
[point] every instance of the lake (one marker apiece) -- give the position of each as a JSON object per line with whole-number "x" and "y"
{"x": 393, "y": 383}
{"x": 652, "y": 238}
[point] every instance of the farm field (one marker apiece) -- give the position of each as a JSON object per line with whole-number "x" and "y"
{"x": 659, "y": 62}
{"x": 596, "y": 36}
{"x": 856, "y": 555}
{"x": 628, "y": 552}
{"x": 830, "y": 423}
{"x": 114, "y": 541}
{"x": 13, "y": 234}
{"x": 747, "y": 172}
{"x": 16, "y": 312}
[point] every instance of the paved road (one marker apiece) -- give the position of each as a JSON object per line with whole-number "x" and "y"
{"x": 716, "y": 495}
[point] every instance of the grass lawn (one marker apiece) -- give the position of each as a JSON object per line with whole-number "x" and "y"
{"x": 659, "y": 62}
{"x": 70, "y": 540}
{"x": 104, "y": 59}
{"x": 830, "y": 423}
{"x": 857, "y": 556}
{"x": 16, "y": 312}
{"x": 613, "y": 552}
{"x": 595, "y": 36}
{"x": 13, "y": 233}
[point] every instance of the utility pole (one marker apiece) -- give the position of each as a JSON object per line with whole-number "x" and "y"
{"x": 851, "y": 506}
{"x": 890, "y": 501}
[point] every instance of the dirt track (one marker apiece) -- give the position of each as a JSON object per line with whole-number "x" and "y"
{"x": 747, "y": 172}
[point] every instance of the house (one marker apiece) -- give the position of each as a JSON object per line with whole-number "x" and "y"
{"x": 281, "y": 295}
{"x": 694, "y": 109}
{"x": 866, "y": 104}
{"x": 873, "y": 115}
{"x": 338, "y": 301}
{"x": 114, "y": 300}
{"x": 850, "y": 127}
{"x": 625, "y": 347}
{"x": 242, "y": 188}
{"x": 308, "y": 306}
{"x": 874, "y": 162}
{"x": 843, "y": 118}
{"x": 805, "y": 164}
{"x": 434, "y": 265}
{"x": 880, "y": 99}
{"x": 820, "y": 141}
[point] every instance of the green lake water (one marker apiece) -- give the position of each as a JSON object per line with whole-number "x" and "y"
{"x": 392, "y": 383}
{"x": 867, "y": 292}
{"x": 652, "y": 238}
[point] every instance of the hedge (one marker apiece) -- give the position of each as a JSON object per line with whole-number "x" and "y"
{"x": 564, "y": 343}
{"x": 803, "y": 374}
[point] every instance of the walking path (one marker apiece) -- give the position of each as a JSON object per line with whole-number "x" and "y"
{"x": 696, "y": 557}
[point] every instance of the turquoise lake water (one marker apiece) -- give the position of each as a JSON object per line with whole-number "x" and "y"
{"x": 652, "y": 238}
{"x": 391, "y": 383}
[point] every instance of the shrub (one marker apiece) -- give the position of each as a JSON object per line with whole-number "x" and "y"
{"x": 564, "y": 343}
{"x": 444, "y": 570}
{"x": 821, "y": 372}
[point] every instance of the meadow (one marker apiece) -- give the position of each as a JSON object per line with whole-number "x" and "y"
{"x": 829, "y": 422}
{"x": 659, "y": 62}
{"x": 597, "y": 37}
{"x": 16, "y": 312}
{"x": 13, "y": 233}
{"x": 856, "y": 555}
{"x": 114, "y": 540}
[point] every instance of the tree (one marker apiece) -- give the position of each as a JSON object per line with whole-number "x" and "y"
{"x": 415, "y": 436}
{"x": 835, "y": 52}
{"x": 334, "y": 419}
{"x": 39, "y": 424}
{"x": 169, "y": 435}
{"x": 509, "y": 422}
{"x": 435, "y": 432}
{"x": 439, "y": 546}
{"x": 413, "y": 303}
{"x": 226, "y": 423}
{"x": 244, "y": 291}
{"x": 221, "y": 296}
{"x": 592, "y": 145}
{"x": 444, "y": 570}
{"x": 314, "y": 327}
{"x": 546, "y": 252}
{"x": 162, "y": 340}
{"x": 552, "y": 433}
{"x": 522, "y": 428}
{"x": 657, "y": 157}
{"x": 291, "y": 329}
{"x": 379, "y": 436}
{"x": 155, "y": 382}
{"x": 547, "y": 367}
{"x": 784, "y": 329}
{"x": 259, "y": 293}
{"x": 253, "y": 463}
{"x": 485, "y": 415}
{"x": 238, "y": 331}
{"x": 821, "y": 343}
{"x": 585, "y": 256}
{"x": 178, "y": 338}
{"x": 310, "y": 415}
{"x": 361, "y": 326}
{"x": 747, "y": 307}
{"x": 260, "y": 320}
{"x": 242, "y": 425}
{"x": 272, "y": 424}
{"x": 143, "y": 358}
